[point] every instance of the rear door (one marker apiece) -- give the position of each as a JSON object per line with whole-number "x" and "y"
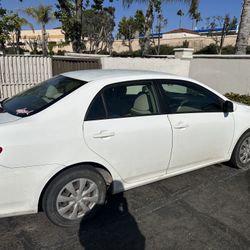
{"x": 124, "y": 126}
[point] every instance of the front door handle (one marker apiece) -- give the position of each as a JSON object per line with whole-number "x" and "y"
{"x": 104, "y": 134}
{"x": 181, "y": 125}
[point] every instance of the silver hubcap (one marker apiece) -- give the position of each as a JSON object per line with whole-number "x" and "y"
{"x": 77, "y": 198}
{"x": 245, "y": 151}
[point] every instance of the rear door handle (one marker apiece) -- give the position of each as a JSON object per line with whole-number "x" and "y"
{"x": 181, "y": 125}
{"x": 104, "y": 134}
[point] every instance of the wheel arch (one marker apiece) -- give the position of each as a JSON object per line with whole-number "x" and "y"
{"x": 237, "y": 140}
{"x": 100, "y": 168}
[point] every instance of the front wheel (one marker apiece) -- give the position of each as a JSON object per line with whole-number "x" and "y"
{"x": 241, "y": 154}
{"x": 74, "y": 195}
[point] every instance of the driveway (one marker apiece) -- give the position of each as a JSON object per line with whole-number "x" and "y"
{"x": 204, "y": 209}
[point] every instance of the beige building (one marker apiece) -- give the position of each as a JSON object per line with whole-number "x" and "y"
{"x": 176, "y": 38}
{"x": 173, "y": 38}
{"x": 53, "y": 35}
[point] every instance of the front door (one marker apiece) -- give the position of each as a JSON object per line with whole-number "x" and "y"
{"x": 123, "y": 126}
{"x": 202, "y": 132}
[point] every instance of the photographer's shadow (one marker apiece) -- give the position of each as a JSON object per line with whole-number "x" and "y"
{"x": 113, "y": 228}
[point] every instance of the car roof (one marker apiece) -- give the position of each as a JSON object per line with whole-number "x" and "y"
{"x": 93, "y": 75}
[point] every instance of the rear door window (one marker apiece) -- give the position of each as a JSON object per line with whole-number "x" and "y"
{"x": 124, "y": 100}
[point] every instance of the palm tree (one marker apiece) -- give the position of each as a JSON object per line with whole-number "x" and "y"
{"x": 180, "y": 13}
{"x": 198, "y": 19}
{"x": 43, "y": 15}
{"x": 244, "y": 30}
{"x": 18, "y": 23}
{"x": 149, "y": 18}
{"x": 193, "y": 12}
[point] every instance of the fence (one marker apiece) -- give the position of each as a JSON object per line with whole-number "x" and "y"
{"x": 62, "y": 64}
{"x": 18, "y": 73}
{"x": 223, "y": 73}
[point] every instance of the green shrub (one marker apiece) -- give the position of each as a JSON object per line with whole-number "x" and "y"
{"x": 245, "y": 99}
{"x": 248, "y": 50}
{"x": 12, "y": 51}
{"x": 36, "y": 52}
{"x": 228, "y": 50}
{"x": 210, "y": 49}
{"x": 185, "y": 44}
{"x": 136, "y": 53}
{"x": 166, "y": 50}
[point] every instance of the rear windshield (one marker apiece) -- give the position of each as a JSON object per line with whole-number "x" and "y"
{"x": 41, "y": 96}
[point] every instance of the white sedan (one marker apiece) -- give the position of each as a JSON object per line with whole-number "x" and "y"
{"x": 67, "y": 141}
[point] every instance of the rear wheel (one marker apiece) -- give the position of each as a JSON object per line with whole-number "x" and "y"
{"x": 74, "y": 195}
{"x": 241, "y": 154}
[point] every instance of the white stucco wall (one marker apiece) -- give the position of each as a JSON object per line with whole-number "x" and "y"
{"x": 172, "y": 66}
{"x": 223, "y": 73}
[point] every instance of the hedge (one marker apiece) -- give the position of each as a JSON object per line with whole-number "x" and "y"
{"x": 245, "y": 99}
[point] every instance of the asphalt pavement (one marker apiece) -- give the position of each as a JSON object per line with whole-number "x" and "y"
{"x": 204, "y": 209}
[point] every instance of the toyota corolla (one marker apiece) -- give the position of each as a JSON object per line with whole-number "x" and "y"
{"x": 66, "y": 141}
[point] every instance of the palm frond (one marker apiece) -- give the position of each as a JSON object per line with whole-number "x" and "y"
{"x": 42, "y": 14}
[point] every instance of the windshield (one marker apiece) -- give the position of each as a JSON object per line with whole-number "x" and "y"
{"x": 41, "y": 96}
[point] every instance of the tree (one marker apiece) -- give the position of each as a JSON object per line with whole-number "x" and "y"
{"x": 152, "y": 5}
{"x": 127, "y": 31}
{"x": 140, "y": 21}
{"x": 197, "y": 19}
{"x": 227, "y": 25}
{"x": 69, "y": 14}
{"x": 140, "y": 24}
{"x": 18, "y": 23}
{"x": 161, "y": 23}
{"x": 97, "y": 5}
{"x": 6, "y": 27}
{"x": 72, "y": 15}
{"x": 43, "y": 15}
{"x": 97, "y": 26}
{"x": 33, "y": 44}
{"x": 4, "y": 32}
{"x": 130, "y": 27}
{"x": 180, "y": 13}
{"x": 194, "y": 13}
{"x": 244, "y": 29}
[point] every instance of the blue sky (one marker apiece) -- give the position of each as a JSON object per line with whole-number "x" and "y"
{"x": 208, "y": 8}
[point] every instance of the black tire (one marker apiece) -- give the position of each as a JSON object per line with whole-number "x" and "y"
{"x": 50, "y": 203}
{"x": 235, "y": 159}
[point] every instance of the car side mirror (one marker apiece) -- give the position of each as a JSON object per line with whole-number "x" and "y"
{"x": 228, "y": 107}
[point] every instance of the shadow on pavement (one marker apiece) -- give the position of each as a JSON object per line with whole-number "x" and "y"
{"x": 248, "y": 180}
{"x": 113, "y": 228}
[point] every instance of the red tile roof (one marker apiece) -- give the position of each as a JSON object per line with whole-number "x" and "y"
{"x": 182, "y": 31}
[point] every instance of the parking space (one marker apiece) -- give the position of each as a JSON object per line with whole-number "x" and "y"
{"x": 205, "y": 209}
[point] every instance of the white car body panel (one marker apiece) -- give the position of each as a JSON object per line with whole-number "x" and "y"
{"x": 200, "y": 138}
{"x": 6, "y": 118}
{"x": 37, "y": 147}
{"x": 139, "y": 149}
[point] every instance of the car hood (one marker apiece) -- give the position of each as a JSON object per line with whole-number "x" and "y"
{"x": 6, "y": 117}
